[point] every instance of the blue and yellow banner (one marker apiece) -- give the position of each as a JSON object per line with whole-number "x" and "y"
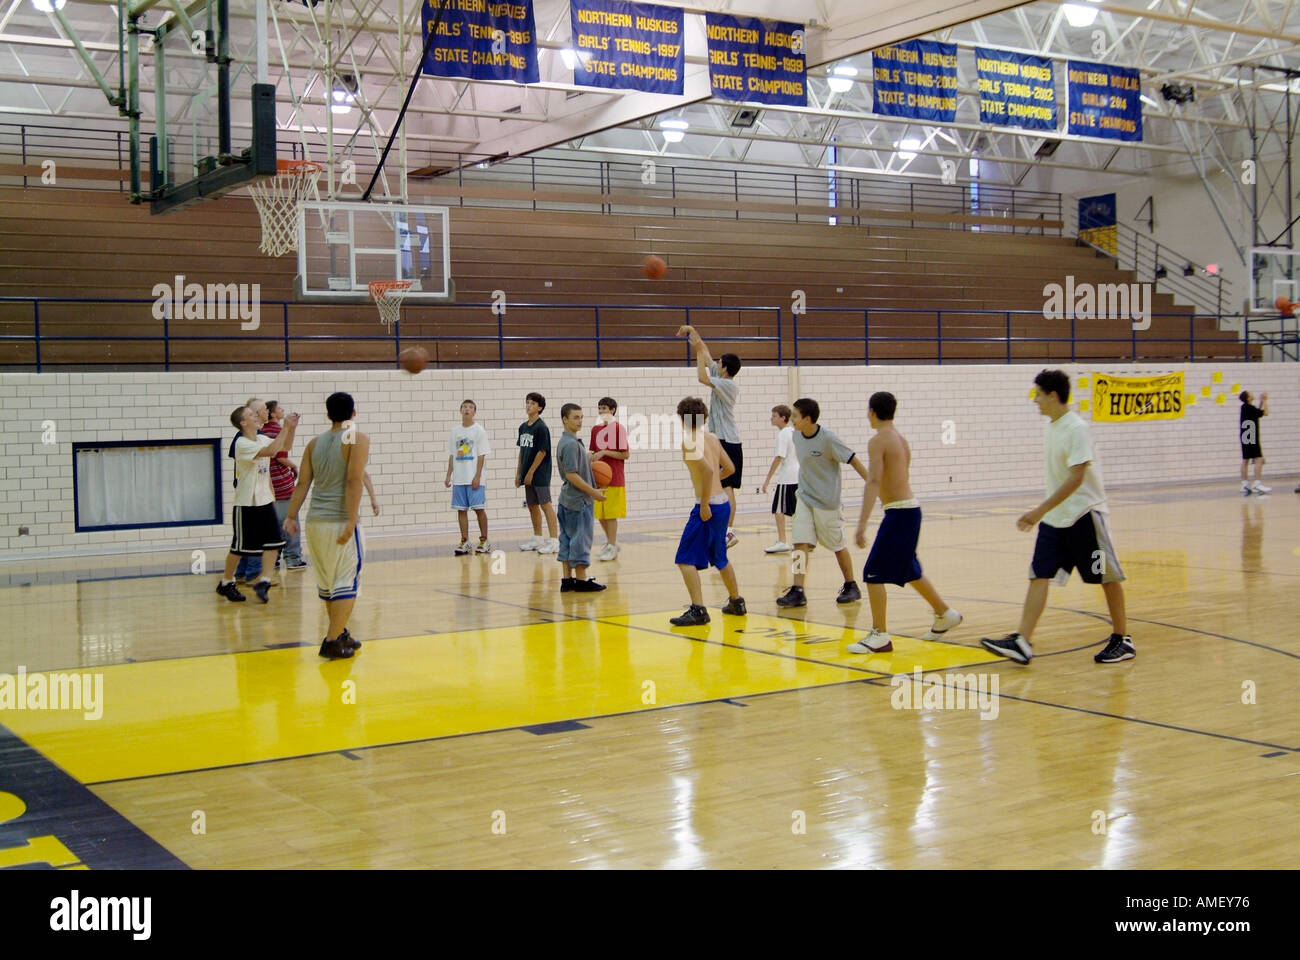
{"x": 1104, "y": 101}
{"x": 1015, "y": 89}
{"x": 760, "y": 61}
{"x": 1097, "y": 222}
{"x": 482, "y": 40}
{"x": 628, "y": 46}
{"x": 916, "y": 80}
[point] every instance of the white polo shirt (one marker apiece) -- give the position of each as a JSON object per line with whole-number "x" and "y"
{"x": 1067, "y": 444}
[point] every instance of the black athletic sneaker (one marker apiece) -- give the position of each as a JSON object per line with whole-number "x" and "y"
{"x": 336, "y": 649}
{"x": 263, "y": 590}
{"x": 587, "y": 586}
{"x": 792, "y": 598}
{"x": 735, "y": 607}
{"x": 1013, "y": 646}
{"x": 231, "y": 592}
{"x": 1117, "y": 648}
{"x": 849, "y": 592}
{"x": 695, "y": 616}
{"x": 348, "y": 640}
{"x": 566, "y": 584}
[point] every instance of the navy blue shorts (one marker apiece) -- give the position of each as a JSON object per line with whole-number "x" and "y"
{"x": 705, "y": 543}
{"x": 893, "y": 555}
{"x": 1086, "y": 545}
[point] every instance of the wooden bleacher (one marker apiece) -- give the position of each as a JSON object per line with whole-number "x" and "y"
{"x": 95, "y": 245}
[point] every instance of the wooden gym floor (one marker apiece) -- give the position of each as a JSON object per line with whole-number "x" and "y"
{"x": 490, "y": 721}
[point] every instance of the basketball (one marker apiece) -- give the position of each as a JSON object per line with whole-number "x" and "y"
{"x": 1284, "y": 306}
{"x": 655, "y": 268}
{"x": 603, "y": 473}
{"x": 413, "y": 359}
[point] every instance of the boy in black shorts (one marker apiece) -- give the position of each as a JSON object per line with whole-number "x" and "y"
{"x": 1251, "y": 443}
{"x": 534, "y": 475}
{"x": 1073, "y": 528}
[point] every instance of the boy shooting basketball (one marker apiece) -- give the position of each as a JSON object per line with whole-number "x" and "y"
{"x": 893, "y": 555}
{"x": 335, "y": 463}
{"x": 720, "y": 377}
{"x": 1073, "y": 530}
{"x": 704, "y": 540}
{"x": 1252, "y": 450}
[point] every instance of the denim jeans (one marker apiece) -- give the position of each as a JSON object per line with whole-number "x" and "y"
{"x": 292, "y": 552}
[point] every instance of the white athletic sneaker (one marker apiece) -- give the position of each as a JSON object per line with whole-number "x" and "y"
{"x": 943, "y": 624}
{"x": 1245, "y": 489}
{"x": 549, "y": 546}
{"x": 731, "y": 539}
{"x": 608, "y": 552}
{"x": 463, "y": 548}
{"x": 1258, "y": 487}
{"x": 483, "y": 547}
{"x": 874, "y": 642}
{"x": 532, "y": 543}
{"x": 778, "y": 547}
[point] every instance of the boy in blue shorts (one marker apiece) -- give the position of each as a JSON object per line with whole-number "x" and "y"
{"x": 893, "y": 555}
{"x": 575, "y": 516}
{"x": 704, "y": 540}
{"x": 467, "y": 449}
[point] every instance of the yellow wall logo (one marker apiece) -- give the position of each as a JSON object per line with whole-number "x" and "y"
{"x": 1125, "y": 399}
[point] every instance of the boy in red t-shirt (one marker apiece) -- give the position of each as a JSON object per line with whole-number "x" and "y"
{"x": 609, "y": 443}
{"x": 283, "y": 474}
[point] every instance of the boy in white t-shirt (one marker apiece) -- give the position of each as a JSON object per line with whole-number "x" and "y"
{"x": 257, "y": 528}
{"x": 785, "y": 469}
{"x": 467, "y": 449}
{"x": 1073, "y": 527}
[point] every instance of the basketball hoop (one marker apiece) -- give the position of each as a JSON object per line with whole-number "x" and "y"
{"x": 277, "y": 200}
{"x": 388, "y": 296}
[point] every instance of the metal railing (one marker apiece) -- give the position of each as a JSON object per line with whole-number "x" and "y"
{"x": 1171, "y": 272}
{"x": 1284, "y": 340}
{"x": 107, "y": 148}
{"x": 1011, "y": 332}
{"x": 997, "y": 327}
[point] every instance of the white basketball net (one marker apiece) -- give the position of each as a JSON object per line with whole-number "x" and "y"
{"x": 388, "y": 296}
{"x": 277, "y": 200}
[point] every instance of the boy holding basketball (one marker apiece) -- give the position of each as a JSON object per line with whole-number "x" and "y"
{"x": 576, "y": 496}
{"x": 609, "y": 443}
{"x": 704, "y": 540}
{"x": 893, "y": 555}
{"x": 1251, "y": 443}
{"x": 467, "y": 449}
{"x": 720, "y": 377}
{"x": 534, "y": 475}
{"x": 819, "y": 513}
{"x": 1073, "y": 528}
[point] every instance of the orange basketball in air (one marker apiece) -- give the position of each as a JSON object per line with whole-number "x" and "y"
{"x": 413, "y": 359}
{"x": 1284, "y": 306}
{"x": 603, "y": 473}
{"x": 655, "y": 268}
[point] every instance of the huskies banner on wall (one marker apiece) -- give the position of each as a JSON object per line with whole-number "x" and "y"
{"x": 628, "y": 46}
{"x": 760, "y": 61}
{"x": 481, "y": 40}
{"x": 1125, "y": 399}
{"x": 1016, "y": 89}
{"x": 916, "y": 80}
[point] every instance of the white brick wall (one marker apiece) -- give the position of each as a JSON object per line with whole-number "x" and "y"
{"x": 998, "y": 445}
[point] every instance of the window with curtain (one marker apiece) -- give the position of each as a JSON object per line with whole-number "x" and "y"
{"x": 147, "y": 483}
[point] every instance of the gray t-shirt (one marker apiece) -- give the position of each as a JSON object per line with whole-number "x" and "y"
{"x": 820, "y": 457}
{"x": 722, "y": 411}
{"x": 572, "y": 456}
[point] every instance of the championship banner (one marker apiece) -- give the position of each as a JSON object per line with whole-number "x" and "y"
{"x": 1097, "y": 222}
{"x": 916, "y": 80}
{"x": 761, "y": 61}
{"x": 1015, "y": 89}
{"x": 1128, "y": 399}
{"x": 628, "y": 46}
{"x": 1104, "y": 101}
{"x": 481, "y": 40}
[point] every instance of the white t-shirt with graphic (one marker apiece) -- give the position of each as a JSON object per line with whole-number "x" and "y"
{"x": 467, "y": 444}
{"x": 1068, "y": 444}
{"x": 788, "y": 472}
{"x": 253, "y": 473}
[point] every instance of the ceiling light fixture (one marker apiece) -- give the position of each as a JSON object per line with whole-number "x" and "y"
{"x": 674, "y": 131}
{"x": 46, "y": 6}
{"x": 841, "y": 78}
{"x": 907, "y": 148}
{"x": 1079, "y": 14}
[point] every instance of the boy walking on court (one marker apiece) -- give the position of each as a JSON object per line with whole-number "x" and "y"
{"x": 609, "y": 443}
{"x": 257, "y": 528}
{"x": 467, "y": 450}
{"x": 283, "y": 472}
{"x": 704, "y": 539}
{"x": 1073, "y": 528}
{"x": 534, "y": 474}
{"x": 1251, "y": 442}
{"x": 576, "y": 496}
{"x": 785, "y": 468}
{"x": 720, "y": 377}
{"x": 335, "y": 464}
{"x": 819, "y": 513}
{"x": 893, "y": 555}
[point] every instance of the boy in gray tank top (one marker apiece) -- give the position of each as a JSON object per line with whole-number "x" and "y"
{"x": 334, "y": 468}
